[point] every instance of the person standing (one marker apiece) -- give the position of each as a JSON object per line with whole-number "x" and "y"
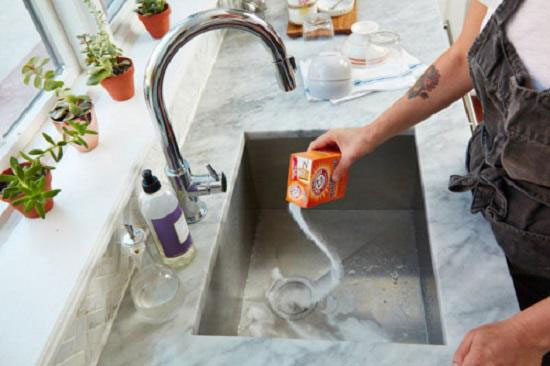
{"x": 503, "y": 52}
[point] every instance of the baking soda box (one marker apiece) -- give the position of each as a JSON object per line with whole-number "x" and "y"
{"x": 309, "y": 178}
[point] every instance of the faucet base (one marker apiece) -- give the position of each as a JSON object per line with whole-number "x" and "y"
{"x": 200, "y": 213}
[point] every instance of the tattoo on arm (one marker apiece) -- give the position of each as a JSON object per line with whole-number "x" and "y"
{"x": 426, "y": 83}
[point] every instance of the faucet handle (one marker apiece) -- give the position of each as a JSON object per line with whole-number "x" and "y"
{"x": 212, "y": 172}
{"x": 292, "y": 62}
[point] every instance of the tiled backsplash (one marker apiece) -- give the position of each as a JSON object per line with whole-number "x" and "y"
{"x": 89, "y": 327}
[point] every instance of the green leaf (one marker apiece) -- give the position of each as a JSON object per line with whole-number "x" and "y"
{"x": 26, "y": 157}
{"x": 32, "y": 172}
{"x": 49, "y": 85}
{"x": 29, "y": 204}
{"x": 32, "y": 61}
{"x": 37, "y": 81}
{"x": 40, "y": 183}
{"x": 26, "y": 68}
{"x": 41, "y": 209}
{"x": 75, "y": 109}
{"x": 21, "y": 201}
{"x": 18, "y": 171}
{"x": 59, "y": 153}
{"x": 48, "y": 138}
{"x": 27, "y": 78}
{"x": 52, "y": 193}
{"x": 36, "y": 152}
{"x": 10, "y": 192}
{"x": 7, "y": 178}
{"x": 80, "y": 141}
{"x": 68, "y": 132}
{"x": 50, "y": 74}
{"x": 44, "y": 62}
{"x": 13, "y": 163}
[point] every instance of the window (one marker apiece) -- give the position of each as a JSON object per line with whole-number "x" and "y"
{"x": 112, "y": 7}
{"x": 22, "y": 37}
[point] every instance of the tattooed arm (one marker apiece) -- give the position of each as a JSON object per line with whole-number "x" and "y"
{"x": 444, "y": 82}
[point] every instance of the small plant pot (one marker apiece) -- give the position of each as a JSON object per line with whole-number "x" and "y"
{"x": 91, "y": 140}
{"x": 32, "y": 214}
{"x": 157, "y": 24}
{"x": 121, "y": 87}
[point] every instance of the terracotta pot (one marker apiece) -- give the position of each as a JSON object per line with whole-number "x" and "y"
{"x": 32, "y": 214}
{"x": 91, "y": 140}
{"x": 158, "y": 24}
{"x": 121, "y": 87}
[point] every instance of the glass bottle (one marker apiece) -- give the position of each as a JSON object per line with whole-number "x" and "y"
{"x": 155, "y": 289}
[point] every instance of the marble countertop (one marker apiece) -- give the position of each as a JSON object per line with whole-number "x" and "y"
{"x": 242, "y": 96}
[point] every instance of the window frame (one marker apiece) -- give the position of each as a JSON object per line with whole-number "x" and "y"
{"x": 114, "y": 8}
{"x": 35, "y": 114}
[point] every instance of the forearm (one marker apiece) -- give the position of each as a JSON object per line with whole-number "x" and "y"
{"x": 444, "y": 82}
{"x": 534, "y": 325}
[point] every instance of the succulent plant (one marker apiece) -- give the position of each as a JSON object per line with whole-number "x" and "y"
{"x": 26, "y": 185}
{"x": 68, "y": 106}
{"x": 150, "y": 7}
{"x": 102, "y": 55}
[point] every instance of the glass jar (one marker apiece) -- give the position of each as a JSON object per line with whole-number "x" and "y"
{"x": 298, "y": 10}
{"x": 257, "y": 7}
{"x": 388, "y": 40}
{"x": 318, "y": 26}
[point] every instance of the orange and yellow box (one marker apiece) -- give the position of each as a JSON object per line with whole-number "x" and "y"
{"x": 310, "y": 178}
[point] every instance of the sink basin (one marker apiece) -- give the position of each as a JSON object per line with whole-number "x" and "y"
{"x": 379, "y": 231}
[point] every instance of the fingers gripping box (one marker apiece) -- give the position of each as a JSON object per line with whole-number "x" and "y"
{"x": 309, "y": 178}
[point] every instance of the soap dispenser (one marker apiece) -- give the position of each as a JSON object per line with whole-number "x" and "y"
{"x": 160, "y": 208}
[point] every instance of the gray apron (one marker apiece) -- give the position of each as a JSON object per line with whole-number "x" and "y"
{"x": 508, "y": 157}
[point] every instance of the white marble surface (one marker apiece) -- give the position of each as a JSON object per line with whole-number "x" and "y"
{"x": 242, "y": 95}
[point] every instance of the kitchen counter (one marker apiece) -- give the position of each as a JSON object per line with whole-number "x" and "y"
{"x": 242, "y": 96}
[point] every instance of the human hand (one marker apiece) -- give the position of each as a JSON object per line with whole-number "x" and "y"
{"x": 352, "y": 143}
{"x": 498, "y": 344}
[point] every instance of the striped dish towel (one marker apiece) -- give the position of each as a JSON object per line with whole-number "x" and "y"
{"x": 397, "y": 72}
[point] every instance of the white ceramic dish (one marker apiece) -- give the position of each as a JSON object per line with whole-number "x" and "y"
{"x": 334, "y": 8}
{"x": 329, "y": 76}
{"x": 298, "y": 10}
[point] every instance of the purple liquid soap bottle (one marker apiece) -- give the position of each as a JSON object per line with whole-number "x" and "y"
{"x": 161, "y": 210}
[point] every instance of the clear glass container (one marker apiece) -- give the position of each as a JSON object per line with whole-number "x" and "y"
{"x": 257, "y": 7}
{"x": 318, "y": 26}
{"x": 155, "y": 289}
{"x": 388, "y": 40}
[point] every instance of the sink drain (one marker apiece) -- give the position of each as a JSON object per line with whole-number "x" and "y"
{"x": 291, "y": 298}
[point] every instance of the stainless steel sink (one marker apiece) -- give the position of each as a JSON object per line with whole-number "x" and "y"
{"x": 379, "y": 230}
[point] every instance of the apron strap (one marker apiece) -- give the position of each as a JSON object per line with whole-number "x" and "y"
{"x": 488, "y": 196}
{"x": 506, "y": 10}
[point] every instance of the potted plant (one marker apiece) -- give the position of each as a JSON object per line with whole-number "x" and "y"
{"x": 107, "y": 65}
{"x": 68, "y": 107}
{"x": 155, "y": 16}
{"x": 27, "y": 185}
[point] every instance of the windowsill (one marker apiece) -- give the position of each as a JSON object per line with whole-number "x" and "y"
{"x": 44, "y": 264}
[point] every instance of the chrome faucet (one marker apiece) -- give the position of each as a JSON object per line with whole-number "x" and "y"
{"x": 188, "y": 186}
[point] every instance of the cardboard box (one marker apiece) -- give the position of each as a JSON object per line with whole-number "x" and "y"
{"x": 310, "y": 178}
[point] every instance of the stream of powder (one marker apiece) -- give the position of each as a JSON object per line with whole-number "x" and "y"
{"x": 322, "y": 287}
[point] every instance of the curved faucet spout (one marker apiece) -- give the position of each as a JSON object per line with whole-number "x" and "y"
{"x": 188, "y": 186}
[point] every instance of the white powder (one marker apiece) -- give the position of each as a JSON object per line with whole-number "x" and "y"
{"x": 322, "y": 287}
